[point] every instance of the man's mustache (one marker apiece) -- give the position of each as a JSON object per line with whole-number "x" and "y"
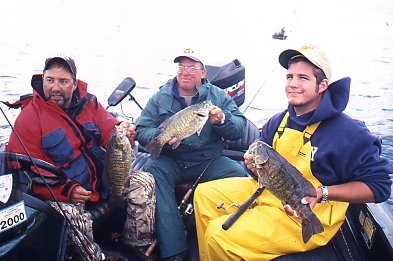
{"x": 56, "y": 94}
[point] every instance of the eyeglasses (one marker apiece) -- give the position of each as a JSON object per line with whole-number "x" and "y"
{"x": 191, "y": 69}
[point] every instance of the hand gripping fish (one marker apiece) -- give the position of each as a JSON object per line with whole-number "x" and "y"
{"x": 117, "y": 165}
{"x": 182, "y": 125}
{"x": 287, "y": 184}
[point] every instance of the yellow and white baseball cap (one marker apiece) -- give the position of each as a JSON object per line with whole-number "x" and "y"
{"x": 313, "y": 53}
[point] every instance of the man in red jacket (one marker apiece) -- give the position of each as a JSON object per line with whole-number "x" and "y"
{"x": 69, "y": 130}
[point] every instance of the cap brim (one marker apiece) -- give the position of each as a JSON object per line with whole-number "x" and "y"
{"x": 177, "y": 59}
{"x": 286, "y": 55}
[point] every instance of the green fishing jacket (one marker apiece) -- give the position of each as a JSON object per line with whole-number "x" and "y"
{"x": 163, "y": 104}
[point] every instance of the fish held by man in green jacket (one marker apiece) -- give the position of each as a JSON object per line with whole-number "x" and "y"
{"x": 287, "y": 184}
{"x": 118, "y": 157}
{"x": 182, "y": 125}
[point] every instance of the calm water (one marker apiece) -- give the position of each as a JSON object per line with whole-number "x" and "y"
{"x": 139, "y": 39}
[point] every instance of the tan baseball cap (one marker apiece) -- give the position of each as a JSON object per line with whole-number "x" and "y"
{"x": 313, "y": 53}
{"x": 191, "y": 54}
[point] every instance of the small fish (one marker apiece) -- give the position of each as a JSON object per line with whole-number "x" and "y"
{"x": 118, "y": 165}
{"x": 287, "y": 184}
{"x": 182, "y": 125}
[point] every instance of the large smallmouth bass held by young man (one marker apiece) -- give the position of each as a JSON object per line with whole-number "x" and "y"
{"x": 182, "y": 125}
{"x": 287, "y": 184}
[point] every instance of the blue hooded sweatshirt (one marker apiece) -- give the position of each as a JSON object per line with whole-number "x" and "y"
{"x": 346, "y": 151}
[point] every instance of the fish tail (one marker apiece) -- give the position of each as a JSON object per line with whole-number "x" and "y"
{"x": 154, "y": 148}
{"x": 310, "y": 227}
{"x": 116, "y": 201}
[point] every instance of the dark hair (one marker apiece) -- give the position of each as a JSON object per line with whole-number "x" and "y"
{"x": 318, "y": 73}
{"x": 60, "y": 63}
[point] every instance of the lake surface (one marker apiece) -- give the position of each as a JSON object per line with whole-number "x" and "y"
{"x": 139, "y": 39}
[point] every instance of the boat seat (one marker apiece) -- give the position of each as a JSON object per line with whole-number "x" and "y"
{"x": 251, "y": 133}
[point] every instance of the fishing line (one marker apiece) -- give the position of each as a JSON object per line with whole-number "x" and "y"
{"x": 47, "y": 186}
{"x": 130, "y": 118}
{"x": 296, "y": 21}
{"x": 290, "y": 32}
{"x": 259, "y": 89}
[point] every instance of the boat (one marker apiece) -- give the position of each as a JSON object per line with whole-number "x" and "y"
{"x": 31, "y": 230}
{"x": 280, "y": 35}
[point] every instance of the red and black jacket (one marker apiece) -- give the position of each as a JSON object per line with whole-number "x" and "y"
{"x": 69, "y": 140}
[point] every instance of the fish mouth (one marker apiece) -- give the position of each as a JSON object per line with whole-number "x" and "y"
{"x": 258, "y": 166}
{"x": 202, "y": 112}
{"x": 259, "y": 161}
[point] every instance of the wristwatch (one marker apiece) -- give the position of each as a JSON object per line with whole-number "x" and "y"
{"x": 325, "y": 194}
{"x": 223, "y": 119}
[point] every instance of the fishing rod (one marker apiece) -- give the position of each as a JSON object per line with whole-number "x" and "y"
{"x": 49, "y": 189}
{"x": 259, "y": 90}
{"x": 181, "y": 207}
{"x": 293, "y": 29}
{"x": 232, "y": 219}
{"x": 290, "y": 32}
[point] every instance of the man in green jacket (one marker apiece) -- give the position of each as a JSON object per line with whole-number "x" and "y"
{"x": 187, "y": 162}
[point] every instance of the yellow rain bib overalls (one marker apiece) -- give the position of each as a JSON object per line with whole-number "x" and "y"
{"x": 266, "y": 231}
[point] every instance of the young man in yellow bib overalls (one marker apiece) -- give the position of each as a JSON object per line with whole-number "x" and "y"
{"x": 336, "y": 153}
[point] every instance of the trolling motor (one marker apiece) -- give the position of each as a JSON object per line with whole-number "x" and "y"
{"x": 124, "y": 89}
